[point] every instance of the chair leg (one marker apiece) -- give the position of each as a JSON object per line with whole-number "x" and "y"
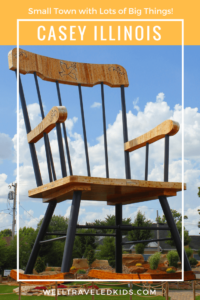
{"x": 174, "y": 231}
{"x": 71, "y": 231}
{"x": 40, "y": 236}
{"x": 118, "y": 239}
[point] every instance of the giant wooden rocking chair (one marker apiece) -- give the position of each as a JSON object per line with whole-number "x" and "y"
{"x": 115, "y": 191}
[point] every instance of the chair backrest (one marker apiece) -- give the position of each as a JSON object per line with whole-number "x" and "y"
{"x": 71, "y": 73}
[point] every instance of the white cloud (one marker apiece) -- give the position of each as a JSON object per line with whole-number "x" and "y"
{"x": 5, "y": 220}
{"x": 6, "y": 147}
{"x": 70, "y": 123}
{"x": 90, "y": 216}
{"x": 143, "y": 209}
{"x": 81, "y": 211}
{"x": 29, "y": 213}
{"x": 96, "y": 104}
{"x": 67, "y": 214}
{"x": 27, "y": 219}
{"x": 192, "y": 222}
{"x": 4, "y": 190}
{"x": 134, "y": 104}
{"x": 160, "y": 97}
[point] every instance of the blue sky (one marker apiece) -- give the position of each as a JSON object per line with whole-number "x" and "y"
{"x": 153, "y": 95}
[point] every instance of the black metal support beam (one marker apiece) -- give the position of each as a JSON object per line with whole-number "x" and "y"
{"x": 45, "y": 135}
{"x": 95, "y": 234}
{"x": 61, "y": 150}
{"x": 46, "y": 138}
{"x": 168, "y": 214}
{"x": 34, "y": 253}
{"x": 166, "y": 159}
{"x": 54, "y": 239}
{"x": 97, "y": 227}
{"x": 36, "y": 167}
{"x": 125, "y": 134}
{"x": 64, "y": 132}
{"x": 146, "y": 162}
{"x": 71, "y": 231}
{"x": 104, "y": 130}
{"x": 51, "y": 159}
{"x": 123, "y": 227}
{"x": 174, "y": 231}
{"x": 118, "y": 207}
{"x": 39, "y": 95}
{"x": 78, "y": 234}
{"x": 84, "y": 131}
{"x": 48, "y": 156}
{"x": 118, "y": 239}
{"x": 146, "y": 241}
{"x": 129, "y": 228}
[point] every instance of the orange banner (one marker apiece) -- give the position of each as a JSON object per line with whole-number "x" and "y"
{"x": 100, "y": 33}
{"x": 142, "y": 33}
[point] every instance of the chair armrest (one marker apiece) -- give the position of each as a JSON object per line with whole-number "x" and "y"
{"x": 58, "y": 114}
{"x": 168, "y": 127}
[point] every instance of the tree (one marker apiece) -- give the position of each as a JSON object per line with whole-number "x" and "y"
{"x": 107, "y": 250}
{"x": 12, "y": 254}
{"x": 176, "y": 215}
{"x": 173, "y": 258}
{"x": 3, "y": 254}
{"x": 83, "y": 243}
{"x": 5, "y": 233}
{"x": 154, "y": 260}
{"x": 187, "y": 238}
{"x": 58, "y": 223}
{"x": 178, "y": 220}
{"x": 29, "y": 234}
{"x": 55, "y": 255}
{"x": 139, "y": 248}
{"x": 39, "y": 265}
{"x": 198, "y": 252}
{"x": 189, "y": 252}
{"x": 110, "y": 221}
{"x": 138, "y": 234}
{"x": 52, "y": 252}
{"x": 90, "y": 254}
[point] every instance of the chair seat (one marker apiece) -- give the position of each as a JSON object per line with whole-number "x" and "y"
{"x": 114, "y": 191}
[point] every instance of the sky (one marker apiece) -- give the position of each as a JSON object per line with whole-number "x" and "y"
{"x": 153, "y": 96}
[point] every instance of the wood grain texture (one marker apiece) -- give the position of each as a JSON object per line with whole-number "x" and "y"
{"x": 167, "y": 127}
{"x": 68, "y": 72}
{"x": 188, "y": 275}
{"x": 61, "y": 192}
{"x": 58, "y": 114}
{"x": 141, "y": 196}
{"x": 23, "y": 277}
{"x": 105, "y": 189}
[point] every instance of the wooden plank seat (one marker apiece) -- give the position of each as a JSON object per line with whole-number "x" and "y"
{"x": 105, "y": 189}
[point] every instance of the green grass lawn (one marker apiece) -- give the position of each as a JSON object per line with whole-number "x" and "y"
{"x": 9, "y": 289}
